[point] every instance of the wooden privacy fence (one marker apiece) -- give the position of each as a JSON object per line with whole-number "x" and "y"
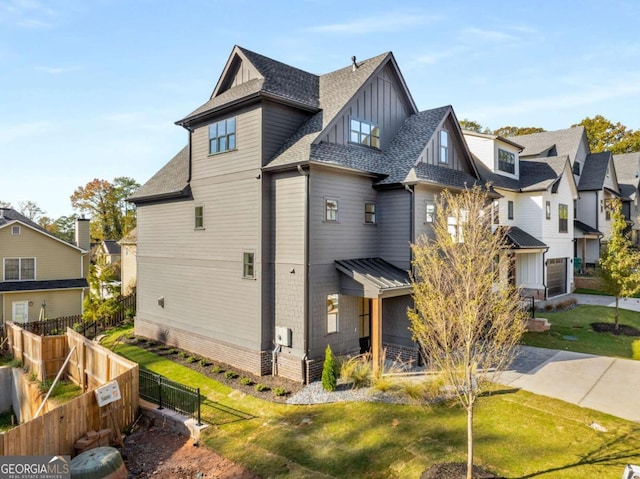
{"x": 90, "y": 366}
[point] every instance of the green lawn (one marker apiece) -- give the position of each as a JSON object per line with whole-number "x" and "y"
{"x": 518, "y": 434}
{"x": 571, "y": 330}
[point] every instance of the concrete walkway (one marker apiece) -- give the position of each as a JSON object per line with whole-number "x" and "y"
{"x": 602, "y": 383}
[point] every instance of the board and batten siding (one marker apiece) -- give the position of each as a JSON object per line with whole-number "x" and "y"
{"x": 457, "y": 157}
{"x": 380, "y": 102}
{"x": 54, "y": 259}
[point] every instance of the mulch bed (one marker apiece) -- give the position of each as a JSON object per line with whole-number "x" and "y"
{"x": 216, "y": 371}
{"x": 623, "y": 329}
{"x": 455, "y": 470}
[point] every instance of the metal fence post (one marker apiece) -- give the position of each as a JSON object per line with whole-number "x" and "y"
{"x": 160, "y": 392}
{"x": 199, "y": 423}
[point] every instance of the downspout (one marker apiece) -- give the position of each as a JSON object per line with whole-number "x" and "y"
{"x": 190, "y": 130}
{"x": 412, "y": 224}
{"x": 305, "y": 346}
{"x": 544, "y": 272}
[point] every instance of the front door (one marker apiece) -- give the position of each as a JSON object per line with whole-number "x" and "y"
{"x": 364, "y": 324}
{"x": 20, "y": 312}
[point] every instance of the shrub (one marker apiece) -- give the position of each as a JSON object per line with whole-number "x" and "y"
{"x": 279, "y": 391}
{"x": 357, "y": 370}
{"x": 261, "y": 387}
{"x": 635, "y": 349}
{"x": 192, "y": 359}
{"x": 204, "y": 363}
{"x": 230, "y": 375}
{"x": 183, "y": 354}
{"x": 172, "y": 351}
{"x": 246, "y": 381}
{"x": 329, "y": 374}
{"x": 217, "y": 369}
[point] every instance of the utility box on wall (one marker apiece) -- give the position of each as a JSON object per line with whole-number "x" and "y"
{"x": 283, "y": 336}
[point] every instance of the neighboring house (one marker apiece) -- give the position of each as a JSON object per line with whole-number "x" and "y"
{"x": 285, "y": 224}
{"x": 597, "y": 182}
{"x": 108, "y": 252}
{"x": 628, "y": 171}
{"x": 42, "y": 276}
{"x": 128, "y": 269}
{"x": 536, "y": 208}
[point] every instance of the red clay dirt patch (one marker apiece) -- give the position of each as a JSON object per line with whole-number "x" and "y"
{"x": 156, "y": 451}
{"x": 623, "y": 329}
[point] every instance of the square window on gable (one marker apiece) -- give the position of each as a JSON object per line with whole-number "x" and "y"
{"x": 364, "y": 133}
{"x": 15, "y": 230}
{"x": 222, "y": 136}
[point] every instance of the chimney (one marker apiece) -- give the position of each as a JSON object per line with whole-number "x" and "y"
{"x": 82, "y": 234}
{"x": 354, "y": 65}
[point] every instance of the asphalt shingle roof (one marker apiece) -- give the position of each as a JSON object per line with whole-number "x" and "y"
{"x": 42, "y": 285}
{"x": 112, "y": 247}
{"x": 594, "y": 171}
{"x": 171, "y": 181}
{"x": 130, "y": 238}
{"x": 7, "y": 215}
{"x": 627, "y": 167}
{"x": 566, "y": 142}
{"x": 535, "y": 174}
{"x": 585, "y": 228}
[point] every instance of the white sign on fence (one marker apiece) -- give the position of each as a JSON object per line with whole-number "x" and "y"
{"x": 108, "y": 393}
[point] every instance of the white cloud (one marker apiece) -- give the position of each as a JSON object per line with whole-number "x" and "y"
{"x": 488, "y": 35}
{"x": 10, "y": 133}
{"x": 55, "y": 70}
{"x": 26, "y": 14}
{"x": 387, "y": 22}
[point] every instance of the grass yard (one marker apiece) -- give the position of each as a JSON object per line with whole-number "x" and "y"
{"x": 571, "y": 331}
{"x": 518, "y": 434}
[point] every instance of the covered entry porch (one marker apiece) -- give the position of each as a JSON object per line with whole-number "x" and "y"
{"x": 375, "y": 280}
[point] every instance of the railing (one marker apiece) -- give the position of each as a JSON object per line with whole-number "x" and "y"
{"x": 528, "y": 304}
{"x": 90, "y": 329}
{"x": 171, "y": 395}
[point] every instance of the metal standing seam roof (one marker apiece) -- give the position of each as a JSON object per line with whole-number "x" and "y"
{"x": 517, "y": 238}
{"x": 376, "y": 271}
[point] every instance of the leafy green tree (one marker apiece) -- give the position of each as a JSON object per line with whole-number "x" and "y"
{"x": 111, "y": 216}
{"x": 63, "y": 228}
{"x": 602, "y": 134}
{"x": 465, "y": 320}
{"x": 31, "y": 210}
{"x": 619, "y": 261}
{"x": 329, "y": 371}
{"x": 472, "y": 125}
{"x": 507, "y": 131}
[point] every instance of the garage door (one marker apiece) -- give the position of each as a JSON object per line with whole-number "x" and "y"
{"x": 557, "y": 276}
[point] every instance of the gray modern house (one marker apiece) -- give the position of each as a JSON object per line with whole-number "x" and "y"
{"x": 285, "y": 224}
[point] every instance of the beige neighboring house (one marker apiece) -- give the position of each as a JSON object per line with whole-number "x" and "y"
{"x": 128, "y": 271}
{"x": 42, "y": 276}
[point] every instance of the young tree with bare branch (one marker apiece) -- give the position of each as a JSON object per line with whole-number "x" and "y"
{"x": 467, "y": 321}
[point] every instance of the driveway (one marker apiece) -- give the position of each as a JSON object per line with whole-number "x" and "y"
{"x": 602, "y": 383}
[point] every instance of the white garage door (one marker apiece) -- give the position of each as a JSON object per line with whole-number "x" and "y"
{"x": 557, "y": 276}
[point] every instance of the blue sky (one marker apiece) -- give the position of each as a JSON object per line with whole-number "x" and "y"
{"x": 91, "y": 88}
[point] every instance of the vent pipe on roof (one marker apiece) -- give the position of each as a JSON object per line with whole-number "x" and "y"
{"x": 354, "y": 66}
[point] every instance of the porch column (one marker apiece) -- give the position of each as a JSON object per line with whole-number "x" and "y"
{"x": 376, "y": 334}
{"x": 584, "y": 252}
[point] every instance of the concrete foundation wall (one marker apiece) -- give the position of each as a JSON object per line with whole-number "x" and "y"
{"x": 6, "y": 386}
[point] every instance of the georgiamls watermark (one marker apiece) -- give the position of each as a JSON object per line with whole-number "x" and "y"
{"x": 35, "y": 467}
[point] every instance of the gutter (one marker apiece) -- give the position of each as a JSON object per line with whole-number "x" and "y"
{"x": 305, "y": 347}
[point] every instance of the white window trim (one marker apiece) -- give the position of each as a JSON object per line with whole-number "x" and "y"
{"x": 374, "y": 213}
{"x": 336, "y": 329}
{"x": 428, "y": 203}
{"x": 443, "y": 147}
{"x": 4, "y": 269}
{"x": 337, "y": 212}
{"x": 15, "y": 230}
{"x": 13, "y": 310}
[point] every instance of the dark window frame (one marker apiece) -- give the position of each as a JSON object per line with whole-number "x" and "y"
{"x": 331, "y": 215}
{"x": 563, "y": 218}
{"x": 508, "y": 163}
{"x": 198, "y": 217}
{"x": 364, "y": 133}
{"x": 222, "y": 136}
{"x": 370, "y": 212}
{"x": 510, "y": 209}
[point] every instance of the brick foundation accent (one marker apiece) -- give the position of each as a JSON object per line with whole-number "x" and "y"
{"x": 588, "y": 282}
{"x": 290, "y": 367}
{"x": 406, "y": 354}
{"x": 254, "y": 362}
{"x": 313, "y": 370}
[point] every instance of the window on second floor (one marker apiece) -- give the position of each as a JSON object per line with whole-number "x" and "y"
{"x": 547, "y": 210}
{"x": 576, "y": 168}
{"x": 222, "y": 136}
{"x": 330, "y": 209}
{"x": 199, "y": 217}
{"x": 15, "y": 230}
{"x": 19, "y": 269}
{"x": 563, "y": 218}
{"x": 496, "y": 213}
{"x": 510, "y": 210}
{"x": 364, "y": 133}
{"x": 444, "y": 146}
{"x": 506, "y": 161}
{"x": 370, "y": 213}
{"x": 455, "y": 225}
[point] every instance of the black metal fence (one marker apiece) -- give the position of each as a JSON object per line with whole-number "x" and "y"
{"x": 169, "y": 394}
{"x": 528, "y": 304}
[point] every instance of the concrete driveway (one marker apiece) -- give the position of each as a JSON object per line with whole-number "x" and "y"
{"x": 605, "y": 384}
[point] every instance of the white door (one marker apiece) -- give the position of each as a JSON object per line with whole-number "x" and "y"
{"x": 20, "y": 312}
